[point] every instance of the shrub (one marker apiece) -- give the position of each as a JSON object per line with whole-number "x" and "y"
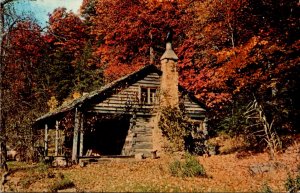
{"x": 180, "y": 130}
{"x": 175, "y": 168}
{"x": 266, "y": 188}
{"x": 291, "y": 184}
{"x": 61, "y": 184}
{"x": 190, "y": 167}
{"x": 175, "y": 126}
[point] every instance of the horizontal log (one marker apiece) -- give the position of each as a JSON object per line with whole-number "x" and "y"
{"x": 195, "y": 111}
{"x": 122, "y": 97}
{"x": 190, "y": 104}
{"x": 196, "y": 116}
{"x": 151, "y": 77}
{"x": 153, "y": 74}
{"x": 198, "y": 110}
{"x": 118, "y": 103}
{"x": 146, "y": 113}
{"x": 148, "y": 83}
{"x": 122, "y": 108}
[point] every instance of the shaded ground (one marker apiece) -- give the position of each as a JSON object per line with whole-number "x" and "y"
{"x": 225, "y": 173}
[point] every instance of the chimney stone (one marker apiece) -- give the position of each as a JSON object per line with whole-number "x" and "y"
{"x": 169, "y": 79}
{"x": 169, "y": 53}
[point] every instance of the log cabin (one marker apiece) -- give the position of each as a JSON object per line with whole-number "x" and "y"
{"x": 120, "y": 119}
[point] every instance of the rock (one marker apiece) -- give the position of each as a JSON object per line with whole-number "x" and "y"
{"x": 262, "y": 168}
{"x": 82, "y": 163}
{"x": 60, "y": 161}
{"x": 139, "y": 156}
{"x": 154, "y": 154}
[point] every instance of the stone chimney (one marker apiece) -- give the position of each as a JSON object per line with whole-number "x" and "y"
{"x": 168, "y": 94}
{"x": 169, "y": 79}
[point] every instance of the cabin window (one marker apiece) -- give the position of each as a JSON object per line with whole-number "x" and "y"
{"x": 148, "y": 95}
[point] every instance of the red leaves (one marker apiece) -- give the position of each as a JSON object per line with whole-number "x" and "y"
{"x": 127, "y": 29}
{"x": 24, "y": 51}
{"x": 67, "y": 32}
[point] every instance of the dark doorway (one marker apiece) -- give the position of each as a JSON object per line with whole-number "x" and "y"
{"x": 108, "y": 136}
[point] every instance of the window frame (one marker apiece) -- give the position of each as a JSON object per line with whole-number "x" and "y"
{"x": 148, "y": 95}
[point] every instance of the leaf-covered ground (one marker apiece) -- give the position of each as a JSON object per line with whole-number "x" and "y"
{"x": 225, "y": 173}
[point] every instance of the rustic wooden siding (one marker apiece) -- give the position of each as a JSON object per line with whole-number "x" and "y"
{"x": 192, "y": 109}
{"x": 140, "y": 138}
{"x": 126, "y": 100}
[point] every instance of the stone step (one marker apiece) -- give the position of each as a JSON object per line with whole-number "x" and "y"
{"x": 144, "y": 133}
{"x": 143, "y": 145}
{"x": 146, "y": 152}
{"x": 144, "y": 138}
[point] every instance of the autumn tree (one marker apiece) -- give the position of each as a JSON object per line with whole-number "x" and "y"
{"x": 125, "y": 30}
{"x": 69, "y": 53}
{"x": 6, "y": 18}
{"x": 240, "y": 49}
{"x": 22, "y": 93}
{"x": 17, "y": 96}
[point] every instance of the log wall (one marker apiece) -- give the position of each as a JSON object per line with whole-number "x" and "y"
{"x": 192, "y": 109}
{"x": 127, "y": 100}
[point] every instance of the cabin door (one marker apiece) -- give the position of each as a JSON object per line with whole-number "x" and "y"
{"x": 108, "y": 136}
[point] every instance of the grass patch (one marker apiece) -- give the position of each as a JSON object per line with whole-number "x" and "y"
{"x": 266, "y": 188}
{"x": 292, "y": 184}
{"x": 26, "y": 182}
{"x": 229, "y": 144}
{"x": 61, "y": 184}
{"x": 155, "y": 188}
{"x": 34, "y": 173}
{"x": 190, "y": 167}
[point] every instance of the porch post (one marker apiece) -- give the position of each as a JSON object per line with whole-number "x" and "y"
{"x": 81, "y": 136}
{"x": 75, "y": 136}
{"x": 46, "y": 141}
{"x": 56, "y": 138}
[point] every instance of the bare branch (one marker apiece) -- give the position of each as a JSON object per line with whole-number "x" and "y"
{"x": 3, "y": 2}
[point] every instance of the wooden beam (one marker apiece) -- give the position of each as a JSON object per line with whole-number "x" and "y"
{"x": 56, "y": 138}
{"x": 46, "y": 141}
{"x": 75, "y": 136}
{"x": 81, "y": 136}
{"x": 148, "y": 95}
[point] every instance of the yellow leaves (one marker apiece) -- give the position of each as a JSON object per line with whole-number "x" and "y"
{"x": 76, "y": 95}
{"x": 72, "y": 97}
{"x": 264, "y": 42}
{"x": 224, "y": 55}
{"x": 251, "y": 44}
{"x": 52, "y": 104}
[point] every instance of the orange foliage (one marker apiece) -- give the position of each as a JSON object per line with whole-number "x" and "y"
{"x": 125, "y": 28}
{"x": 234, "y": 50}
{"x": 24, "y": 52}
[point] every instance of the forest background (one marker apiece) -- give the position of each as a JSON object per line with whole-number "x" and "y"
{"x": 230, "y": 53}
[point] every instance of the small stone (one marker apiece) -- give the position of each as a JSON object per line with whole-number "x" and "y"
{"x": 82, "y": 163}
{"x": 139, "y": 156}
